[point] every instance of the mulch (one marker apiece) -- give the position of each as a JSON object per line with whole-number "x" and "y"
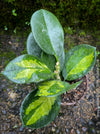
{"x": 73, "y": 96}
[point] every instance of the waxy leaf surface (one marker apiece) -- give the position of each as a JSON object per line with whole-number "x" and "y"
{"x": 55, "y": 87}
{"x": 79, "y": 61}
{"x": 37, "y": 112}
{"x": 48, "y": 32}
{"x": 49, "y": 60}
{"x": 32, "y": 46}
{"x": 61, "y": 60}
{"x": 26, "y": 69}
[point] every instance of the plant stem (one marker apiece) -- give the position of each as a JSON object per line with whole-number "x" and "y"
{"x": 57, "y": 71}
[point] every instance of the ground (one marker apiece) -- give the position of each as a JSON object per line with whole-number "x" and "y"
{"x": 80, "y": 118}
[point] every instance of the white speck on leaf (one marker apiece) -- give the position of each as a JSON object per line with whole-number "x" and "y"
{"x": 43, "y": 30}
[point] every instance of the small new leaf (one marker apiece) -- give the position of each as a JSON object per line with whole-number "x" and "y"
{"x": 55, "y": 87}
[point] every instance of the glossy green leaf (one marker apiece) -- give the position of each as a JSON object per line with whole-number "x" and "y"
{"x": 32, "y": 46}
{"x": 26, "y": 69}
{"x": 48, "y": 32}
{"x": 37, "y": 112}
{"x": 79, "y": 61}
{"x": 54, "y": 88}
{"x": 49, "y": 60}
{"x": 61, "y": 60}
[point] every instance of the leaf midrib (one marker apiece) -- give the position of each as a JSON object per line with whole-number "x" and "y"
{"x": 75, "y": 64}
{"x": 22, "y": 69}
{"x": 48, "y": 31}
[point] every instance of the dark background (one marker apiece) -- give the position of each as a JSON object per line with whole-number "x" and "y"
{"x": 84, "y": 14}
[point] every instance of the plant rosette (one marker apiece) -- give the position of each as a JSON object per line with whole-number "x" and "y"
{"x": 47, "y": 65}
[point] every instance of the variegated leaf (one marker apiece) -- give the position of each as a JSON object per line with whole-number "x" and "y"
{"x": 37, "y": 112}
{"x": 26, "y": 69}
{"x": 55, "y": 87}
{"x": 79, "y": 61}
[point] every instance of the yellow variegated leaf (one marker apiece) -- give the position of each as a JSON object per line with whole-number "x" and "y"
{"x": 27, "y": 68}
{"x": 44, "y": 105}
{"x": 38, "y": 111}
{"x": 79, "y": 61}
{"x": 54, "y": 88}
{"x": 27, "y": 73}
{"x": 31, "y": 64}
{"x": 82, "y": 65}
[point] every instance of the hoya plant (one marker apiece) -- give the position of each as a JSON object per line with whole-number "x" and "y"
{"x": 47, "y": 65}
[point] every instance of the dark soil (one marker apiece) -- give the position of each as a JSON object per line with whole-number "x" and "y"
{"x": 80, "y": 118}
{"x": 73, "y": 96}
